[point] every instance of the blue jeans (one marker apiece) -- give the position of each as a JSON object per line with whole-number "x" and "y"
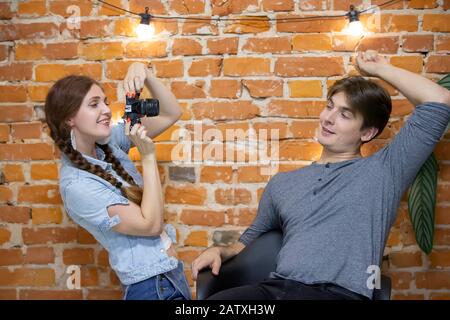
{"x": 171, "y": 285}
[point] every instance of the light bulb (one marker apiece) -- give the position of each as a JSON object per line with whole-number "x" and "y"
{"x": 355, "y": 28}
{"x": 145, "y": 31}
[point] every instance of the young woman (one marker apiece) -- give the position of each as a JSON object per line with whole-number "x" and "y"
{"x": 335, "y": 215}
{"x": 103, "y": 192}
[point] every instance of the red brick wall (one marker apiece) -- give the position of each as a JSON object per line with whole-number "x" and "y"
{"x": 258, "y": 75}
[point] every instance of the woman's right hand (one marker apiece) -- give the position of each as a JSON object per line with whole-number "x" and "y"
{"x": 138, "y": 135}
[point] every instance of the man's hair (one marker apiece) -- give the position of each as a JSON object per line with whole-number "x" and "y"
{"x": 366, "y": 98}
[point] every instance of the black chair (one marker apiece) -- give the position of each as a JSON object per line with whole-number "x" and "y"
{"x": 254, "y": 264}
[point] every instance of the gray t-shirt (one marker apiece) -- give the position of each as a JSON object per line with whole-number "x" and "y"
{"x": 336, "y": 217}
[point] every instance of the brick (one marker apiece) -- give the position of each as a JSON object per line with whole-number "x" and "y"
{"x": 9, "y": 32}
{"x": 32, "y": 31}
{"x": 105, "y": 10}
{"x": 49, "y": 235}
{"x": 29, "y": 130}
{"x": 422, "y": 4}
{"x": 401, "y": 107}
{"x": 225, "y": 237}
{"x": 95, "y": 29}
{"x": 4, "y": 132}
{"x": 222, "y": 8}
{"x": 184, "y": 90}
{"x": 221, "y": 88}
{"x": 4, "y": 52}
{"x": 268, "y": 45}
{"x": 438, "y": 64}
{"x": 5, "y": 11}
{"x": 305, "y": 89}
{"x": 10, "y": 257}
{"x": 271, "y": 130}
{"x": 309, "y": 66}
{"x": 442, "y": 236}
{"x": 48, "y": 194}
{"x": 433, "y": 280}
{"x": 383, "y": 44}
{"x": 29, "y": 51}
{"x": 245, "y": 217}
{"x": 146, "y": 49}
{"x": 248, "y": 24}
{"x": 5, "y": 235}
{"x": 104, "y": 294}
{"x": 13, "y": 172}
{"x": 304, "y": 128}
{"x": 406, "y": 259}
{"x": 155, "y": 6}
{"x": 202, "y": 217}
{"x": 216, "y": 174}
{"x": 299, "y": 150}
{"x": 185, "y": 195}
{"x": 38, "y": 93}
{"x": 264, "y": 88}
{"x": 440, "y": 258}
{"x": 84, "y": 237}
{"x": 102, "y": 50}
{"x": 8, "y": 294}
{"x": 411, "y": 63}
{"x": 27, "y": 294}
{"x": 78, "y": 256}
{"x": 309, "y": 25}
{"x": 187, "y": 6}
{"x": 199, "y": 27}
{"x": 52, "y": 72}
{"x": 311, "y": 42}
{"x": 251, "y": 174}
{"x": 188, "y": 256}
{"x": 400, "y": 280}
{"x": 439, "y": 296}
{"x": 16, "y": 72}
{"x": 44, "y": 171}
{"x": 32, "y": 8}
{"x": 182, "y": 174}
{"x": 168, "y": 69}
{"x": 233, "y": 196}
{"x": 225, "y": 110}
{"x": 12, "y": 94}
{"x": 417, "y": 43}
{"x": 436, "y": 23}
{"x": 222, "y": 45}
{"x": 6, "y": 194}
{"x": 197, "y": 239}
{"x": 27, "y": 277}
{"x": 186, "y": 47}
{"x": 442, "y": 44}
{"x": 46, "y": 215}
{"x": 295, "y": 109}
{"x": 246, "y": 66}
{"x": 117, "y": 70}
{"x": 39, "y": 255}
{"x": 205, "y": 67}
{"x": 281, "y": 5}
{"x": 398, "y": 23}
{"x": 89, "y": 277}
{"x": 59, "y": 7}
{"x": 15, "y": 214}
{"x": 345, "y": 43}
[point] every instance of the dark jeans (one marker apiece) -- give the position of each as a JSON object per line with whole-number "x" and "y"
{"x": 283, "y": 289}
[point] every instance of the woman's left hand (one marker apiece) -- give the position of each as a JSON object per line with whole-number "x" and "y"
{"x": 369, "y": 62}
{"x": 136, "y": 76}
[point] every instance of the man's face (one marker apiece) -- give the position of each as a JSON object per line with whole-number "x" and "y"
{"x": 340, "y": 127}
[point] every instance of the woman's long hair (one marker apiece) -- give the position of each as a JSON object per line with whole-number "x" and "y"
{"x": 62, "y": 103}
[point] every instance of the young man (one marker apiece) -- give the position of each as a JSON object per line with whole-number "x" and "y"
{"x": 335, "y": 215}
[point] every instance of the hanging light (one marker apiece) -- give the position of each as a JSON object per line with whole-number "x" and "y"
{"x": 355, "y": 27}
{"x": 145, "y": 30}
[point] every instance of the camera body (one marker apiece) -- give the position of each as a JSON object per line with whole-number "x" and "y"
{"x": 136, "y": 108}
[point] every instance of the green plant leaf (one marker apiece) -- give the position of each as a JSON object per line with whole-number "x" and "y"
{"x": 421, "y": 203}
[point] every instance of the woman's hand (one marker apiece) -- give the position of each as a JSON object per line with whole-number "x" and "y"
{"x": 136, "y": 76}
{"x": 369, "y": 63}
{"x": 138, "y": 135}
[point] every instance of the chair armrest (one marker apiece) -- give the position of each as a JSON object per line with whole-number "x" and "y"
{"x": 252, "y": 265}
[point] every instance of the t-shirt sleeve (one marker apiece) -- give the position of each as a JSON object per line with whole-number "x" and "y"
{"x": 88, "y": 200}
{"x": 266, "y": 218}
{"x": 119, "y": 139}
{"x": 414, "y": 143}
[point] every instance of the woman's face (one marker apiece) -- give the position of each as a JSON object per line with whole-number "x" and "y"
{"x": 93, "y": 119}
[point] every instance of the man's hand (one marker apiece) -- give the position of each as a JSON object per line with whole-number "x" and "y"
{"x": 136, "y": 76}
{"x": 209, "y": 258}
{"x": 370, "y": 62}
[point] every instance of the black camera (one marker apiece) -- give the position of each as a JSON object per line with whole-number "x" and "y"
{"x": 136, "y": 108}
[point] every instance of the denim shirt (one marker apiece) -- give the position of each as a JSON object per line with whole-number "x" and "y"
{"x": 86, "y": 198}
